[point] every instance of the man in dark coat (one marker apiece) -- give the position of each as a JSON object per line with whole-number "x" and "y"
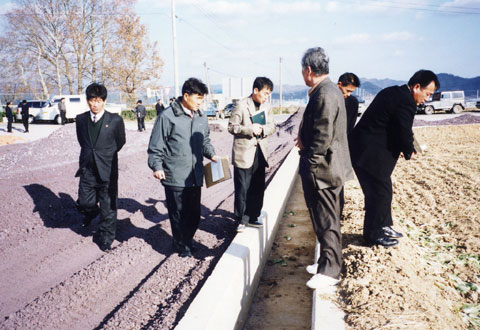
{"x": 179, "y": 141}
{"x": 324, "y": 165}
{"x": 383, "y": 134}
{"x": 159, "y": 107}
{"x": 101, "y": 135}
{"x": 25, "y": 114}
{"x": 347, "y": 83}
{"x": 9, "y": 114}
{"x": 141, "y": 113}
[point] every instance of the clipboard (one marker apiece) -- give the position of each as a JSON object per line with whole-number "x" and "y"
{"x": 215, "y": 173}
{"x": 259, "y": 118}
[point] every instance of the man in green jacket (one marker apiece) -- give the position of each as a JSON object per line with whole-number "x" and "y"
{"x": 179, "y": 141}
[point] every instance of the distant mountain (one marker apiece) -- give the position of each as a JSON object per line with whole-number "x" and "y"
{"x": 449, "y": 82}
{"x": 371, "y": 86}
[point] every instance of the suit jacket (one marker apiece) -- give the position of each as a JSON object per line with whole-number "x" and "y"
{"x": 25, "y": 110}
{"x": 141, "y": 111}
{"x": 8, "y": 112}
{"x": 323, "y": 134}
{"x": 103, "y": 154}
{"x": 241, "y": 126}
{"x": 384, "y": 131}
{"x": 351, "y": 105}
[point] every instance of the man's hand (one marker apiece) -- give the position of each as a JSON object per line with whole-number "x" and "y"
{"x": 298, "y": 143}
{"x": 215, "y": 159}
{"x": 257, "y": 129}
{"x": 160, "y": 175}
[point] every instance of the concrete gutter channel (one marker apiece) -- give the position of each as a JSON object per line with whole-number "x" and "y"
{"x": 225, "y": 298}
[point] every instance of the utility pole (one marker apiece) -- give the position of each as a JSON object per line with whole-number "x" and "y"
{"x": 175, "y": 59}
{"x": 281, "y": 87}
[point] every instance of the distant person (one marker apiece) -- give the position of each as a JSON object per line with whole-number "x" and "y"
{"x": 141, "y": 113}
{"x": 101, "y": 135}
{"x": 250, "y": 154}
{"x": 324, "y": 165}
{"x": 9, "y": 114}
{"x": 159, "y": 107}
{"x": 63, "y": 110}
{"x": 25, "y": 114}
{"x": 180, "y": 139}
{"x": 172, "y": 100}
{"x": 383, "y": 133}
{"x": 347, "y": 83}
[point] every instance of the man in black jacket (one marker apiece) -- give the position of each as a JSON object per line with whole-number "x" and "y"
{"x": 141, "y": 113}
{"x": 384, "y": 133}
{"x": 159, "y": 107}
{"x": 25, "y": 114}
{"x": 179, "y": 141}
{"x": 9, "y": 114}
{"x": 324, "y": 165}
{"x": 101, "y": 135}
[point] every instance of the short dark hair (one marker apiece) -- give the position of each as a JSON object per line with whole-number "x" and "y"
{"x": 96, "y": 90}
{"x": 349, "y": 78}
{"x": 261, "y": 83}
{"x": 424, "y": 78}
{"x": 9, "y": 102}
{"x": 139, "y": 101}
{"x": 194, "y": 86}
{"x": 24, "y": 101}
{"x": 317, "y": 59}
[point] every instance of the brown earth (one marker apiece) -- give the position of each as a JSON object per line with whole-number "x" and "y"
{"x": 427, "y": 281}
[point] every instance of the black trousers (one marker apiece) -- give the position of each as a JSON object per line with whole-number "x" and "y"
{"x": 249, "y": 189}
{"x": 9, "y": 125}
{"x": 25, "y": 122}
{"x": 141, "y": 123}
{"x": 378, "y": 203}
{"x": 324, "y": 208}
{"x": 183, "y": 204}
{"x": 63, "y": 117}
{"x": 96, "y": 196}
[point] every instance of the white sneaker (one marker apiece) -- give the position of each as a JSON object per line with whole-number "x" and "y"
{"x": 321, "y": 282}
{"x": 312, "y": 269}
{"x": 240, "y": 228}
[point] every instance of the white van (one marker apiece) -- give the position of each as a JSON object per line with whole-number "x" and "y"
{"x": 75, "y": 104}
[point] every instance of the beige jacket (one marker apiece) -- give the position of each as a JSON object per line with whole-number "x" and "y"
{"x": 241, "y": 126}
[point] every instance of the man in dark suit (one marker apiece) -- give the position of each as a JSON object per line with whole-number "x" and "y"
{"x": 347, "y": 83}
{"x": 383, "y": 134}
{"x": 159, "y": 107}
{"x": 141, "y": 113}
{"x": 25, "y": 114}
{"x": 101, "y": 135}
{"x": 9, "y": 114}
{"x": 324, "y": 165}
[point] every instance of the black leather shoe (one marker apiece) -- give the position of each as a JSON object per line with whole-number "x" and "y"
{"x": 255, "y": 224}
{"x": 105, "y": 246}
{"x": 384, "y": 241}
{"x": 392, "y": 233}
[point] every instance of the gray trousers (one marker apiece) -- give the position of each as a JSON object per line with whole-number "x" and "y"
{"x": 324, "y": 208}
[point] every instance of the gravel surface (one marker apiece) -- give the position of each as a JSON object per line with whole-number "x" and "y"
{"x": 54, "y": 277}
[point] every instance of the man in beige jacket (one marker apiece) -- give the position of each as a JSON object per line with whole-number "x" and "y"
{"x": 251, "y": 123}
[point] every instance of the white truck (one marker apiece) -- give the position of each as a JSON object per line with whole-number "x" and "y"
{"x": 75, "y": 105}
{"x": 450, "y": 101}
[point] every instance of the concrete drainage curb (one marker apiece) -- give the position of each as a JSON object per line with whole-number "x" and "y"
{"x": 225, "y": 298}
{"x": 325, "y": 314}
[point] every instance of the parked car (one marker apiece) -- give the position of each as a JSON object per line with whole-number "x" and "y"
{"x": 212, "y": 111}
{"x": 450, "y": 101}
{"x": 227, "y": 112}
{"x": 477, "y": 105}
{"x": 362, "y": 106}
{"x": 34, "y": 111}
{"x": 75, "y": 104}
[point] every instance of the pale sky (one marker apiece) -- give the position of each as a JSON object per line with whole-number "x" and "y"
{"x": 374, "y": 39}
